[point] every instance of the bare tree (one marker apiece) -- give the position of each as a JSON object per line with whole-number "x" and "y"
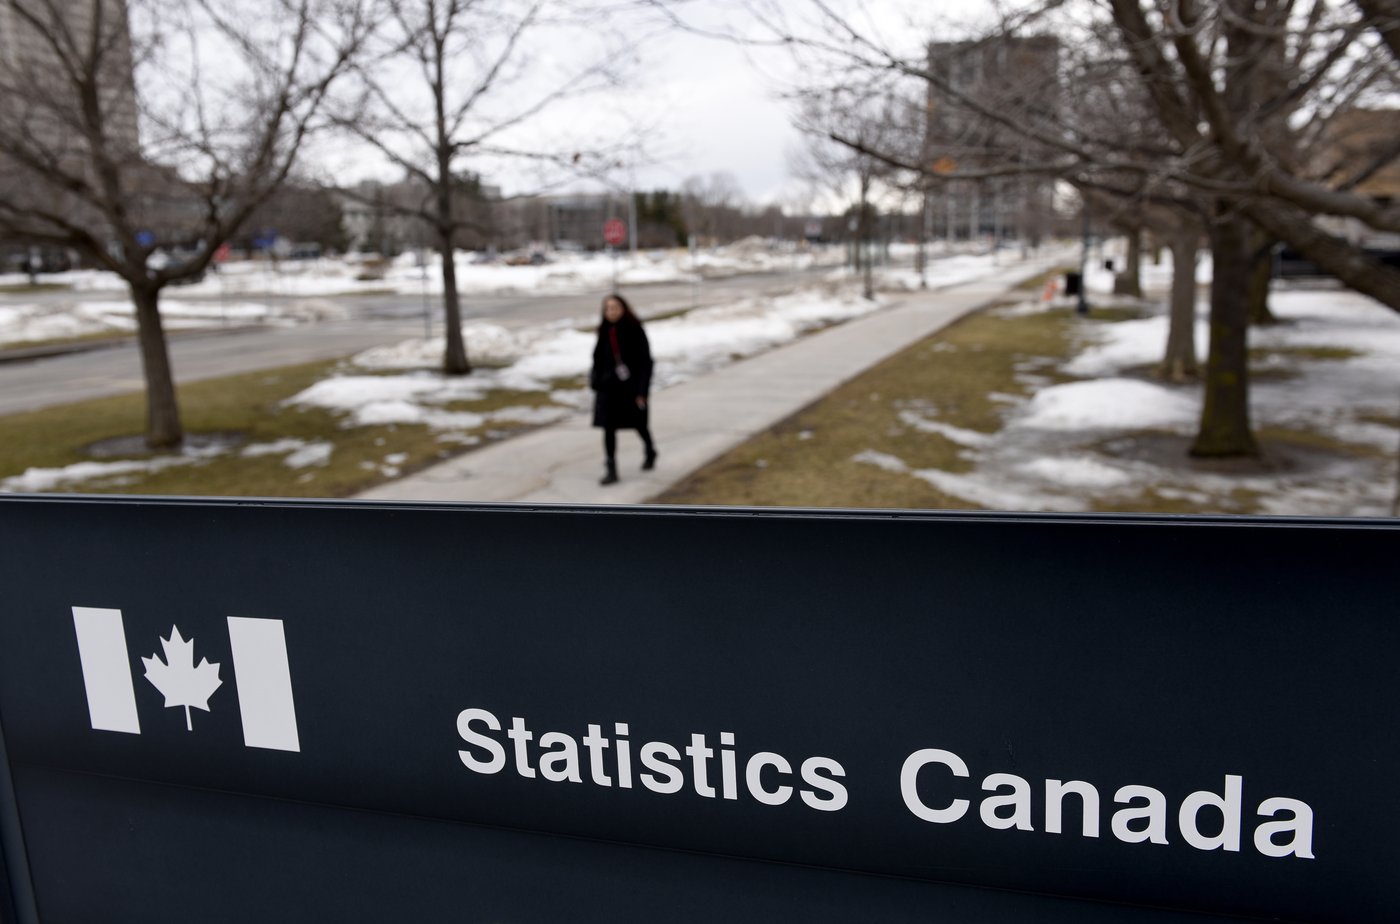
{"x": 713, "y": 206}
{"x": 1300, "y": 65}
{"x": 1183, "y": 232}
{"x": 453, "y": 83}
{"x": 117, "y": 141}
{"x": 871, "y": 117}
{"x": 1115, "y": 110}
{"x": 1239, "y": 98}
{"x": 1246, "y": 92}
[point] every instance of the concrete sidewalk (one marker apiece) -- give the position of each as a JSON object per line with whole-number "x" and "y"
{"x": 696, "y": 421}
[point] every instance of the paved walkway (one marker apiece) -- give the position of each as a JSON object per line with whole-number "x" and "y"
{"x": 696, "y": 421}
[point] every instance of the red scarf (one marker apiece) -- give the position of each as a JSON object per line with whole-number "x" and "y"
{"x": 616, "y": 348}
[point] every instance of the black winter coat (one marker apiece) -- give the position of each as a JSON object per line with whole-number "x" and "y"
{"x": 615, "y": 401}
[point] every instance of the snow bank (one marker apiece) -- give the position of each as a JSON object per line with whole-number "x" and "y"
{"x": 1069, "y": 446}
{"x": 533, "y": 358}
{"x": 1108, "y": 404}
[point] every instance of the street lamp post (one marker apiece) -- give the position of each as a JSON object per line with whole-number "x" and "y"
{"x": 923, "y": 236}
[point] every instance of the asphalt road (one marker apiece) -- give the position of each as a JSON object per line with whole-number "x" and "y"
{"x": 378, "y": 319}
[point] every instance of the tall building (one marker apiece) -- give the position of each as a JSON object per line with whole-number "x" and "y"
{"x": 56, "y": 57}
{"x": 1017, "y": 77}
{"x": 39, "y": 95}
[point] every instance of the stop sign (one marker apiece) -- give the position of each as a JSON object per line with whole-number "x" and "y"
{"x": 614, "y": 231}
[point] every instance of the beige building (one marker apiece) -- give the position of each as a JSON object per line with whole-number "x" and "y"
{"x": 1361, "y": 143}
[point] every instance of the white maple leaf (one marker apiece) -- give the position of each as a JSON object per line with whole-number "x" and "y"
{"x": 177, "y": 677}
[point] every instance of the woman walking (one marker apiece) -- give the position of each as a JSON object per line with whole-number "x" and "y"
{"x": 621, "y": 378}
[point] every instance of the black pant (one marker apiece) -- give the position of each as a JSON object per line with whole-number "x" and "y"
{"x": 610, "y": 442}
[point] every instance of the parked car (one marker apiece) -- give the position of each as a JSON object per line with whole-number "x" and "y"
{"x": 527, "y": 258}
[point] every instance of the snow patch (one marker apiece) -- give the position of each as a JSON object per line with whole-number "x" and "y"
{"x": 992, "y": 493}
{"x": 1126, "y": 344}
{"x": 309, "y": 455}
{"x": 881, "y": 460}
{"x": 1108, "y": 404}
{"x": 275, "y": 448}
{"x": 1081, "y": 472}
{"x": 957, "y": 435}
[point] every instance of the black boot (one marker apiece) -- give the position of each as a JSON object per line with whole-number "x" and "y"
{"x": 649, "y": 462}
{"x": 611, "y": 476}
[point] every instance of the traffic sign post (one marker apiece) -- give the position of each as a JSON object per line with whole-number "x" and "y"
{"x": 614, "y": 233}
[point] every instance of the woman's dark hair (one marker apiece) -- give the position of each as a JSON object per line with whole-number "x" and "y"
{"x": 627, "y": 316}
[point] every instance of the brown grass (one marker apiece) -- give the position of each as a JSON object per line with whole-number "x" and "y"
{"x": 806, "y": 460}
{"x": 251, "y": 408}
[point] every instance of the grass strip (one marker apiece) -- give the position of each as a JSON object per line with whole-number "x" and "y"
{"x": 248, "y": 409}
{"x": 952, "y": 376}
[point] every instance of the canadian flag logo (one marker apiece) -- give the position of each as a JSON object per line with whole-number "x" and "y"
{"x": 177, "y": 677}
{"x": 259, "y": 650}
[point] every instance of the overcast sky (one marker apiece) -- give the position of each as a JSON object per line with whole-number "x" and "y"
{"x": 717, "y": 107}
{"x": 710, "y": 105}
{"x": 720, "y": 106}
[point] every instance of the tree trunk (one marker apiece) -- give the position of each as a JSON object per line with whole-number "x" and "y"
{"x": 868, "y": 288}
{"x": 454, "y": 359}
{"x": 163, "y": 430}
{"x": 863, "y": 234}
{"x": 1261, "y": 270}
{"x": 1129, "y": 280}
{"x": 1225, "y": 430}
{"x": 1179, "y": 363}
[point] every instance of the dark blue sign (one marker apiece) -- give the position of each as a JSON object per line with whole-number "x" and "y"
{"x": 293, "y": 710}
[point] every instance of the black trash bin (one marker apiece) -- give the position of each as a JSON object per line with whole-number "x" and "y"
{"x": 1074, "y": 283}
